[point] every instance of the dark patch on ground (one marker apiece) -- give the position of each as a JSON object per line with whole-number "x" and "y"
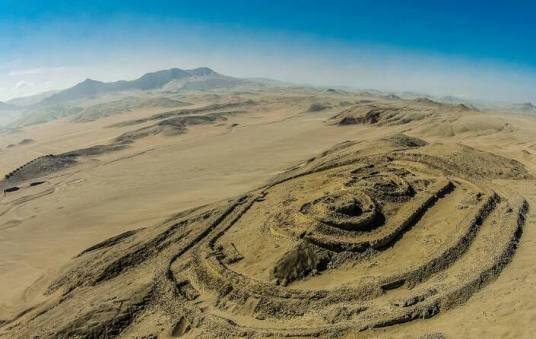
{"x": 26, "y": 141}
{"x": 212, "y": 109}
{"x": 11, "y": 189}
{"x": 39, "y": 167}
{"x": 169, "y": 127}
{"x": 405, "y": 141}
{"x": 317, "y": 107}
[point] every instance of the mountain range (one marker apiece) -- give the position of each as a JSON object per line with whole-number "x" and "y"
{"x": 203, "y": 78}
{"x": 74, "y": 100}
{"x": 526, "y": 107}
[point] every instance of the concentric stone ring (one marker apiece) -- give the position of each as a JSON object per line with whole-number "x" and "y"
{"x": 346, "y": 243}
{"x": 347, "y": 209}
{"x": 383, "y": 185}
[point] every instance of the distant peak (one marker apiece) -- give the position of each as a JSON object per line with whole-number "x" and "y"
{"x": 90, "y": 81}
{"x": 202, "y": 71}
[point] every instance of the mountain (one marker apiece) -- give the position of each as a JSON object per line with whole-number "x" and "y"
{"x": 526, "y": 107}
{"x": 4, "y": 106}
{"x": 191, "y": 79}
{"x": 116, "y": 97}
{"x": 8, "y": 113}
{"x": 31, "y": 99}
{"x": 86, "y": 89}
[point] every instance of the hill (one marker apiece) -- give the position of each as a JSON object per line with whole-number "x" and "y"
{"x": 5, "y": 107}
{"x": 90, "y": 88}
{"x": 30, "y": 100}
{"x": 526, "y": 107}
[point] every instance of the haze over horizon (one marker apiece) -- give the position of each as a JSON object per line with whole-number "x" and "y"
{"x": 390, "y": 46}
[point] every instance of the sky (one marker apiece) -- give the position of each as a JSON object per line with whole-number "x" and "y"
{"x": 470, "y": 49}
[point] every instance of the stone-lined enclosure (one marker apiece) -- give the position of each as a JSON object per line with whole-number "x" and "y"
{"x": 349, "y": 240}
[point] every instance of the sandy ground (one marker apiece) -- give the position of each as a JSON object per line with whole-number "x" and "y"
{"x": 43, "y": 227}
{"x": 138, "y": 187}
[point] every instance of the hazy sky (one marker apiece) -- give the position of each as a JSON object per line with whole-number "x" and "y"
{"x": 472, "y": 49}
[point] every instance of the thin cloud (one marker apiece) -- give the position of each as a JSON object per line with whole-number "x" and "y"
{"x": 24, "y": 84}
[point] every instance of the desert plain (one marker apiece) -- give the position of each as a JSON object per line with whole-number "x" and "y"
{"x": 268, "y": 210}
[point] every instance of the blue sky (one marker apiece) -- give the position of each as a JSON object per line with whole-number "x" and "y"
{"x": 475, "y": 49}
